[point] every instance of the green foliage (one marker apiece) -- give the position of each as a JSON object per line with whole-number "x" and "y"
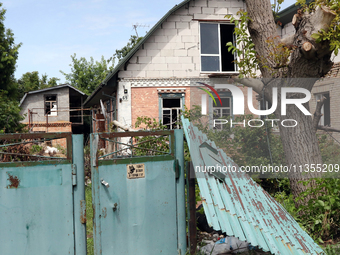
{"x": 147, "y": 143}
{"x": 87, "y": 75}
{"x": 8, "y": 57}
{"x": 9, "y": 114}
{"x": 244, "y": 47}
{"x": 330, "y": 151}
{"x": 332, "y": 250}
{"x": 89, "y": 220}
{"x": 322, "y": 212}
{"x": 133, "y": 41}
{"x": 36, "y": 149}
{"x": 30, "y": 81}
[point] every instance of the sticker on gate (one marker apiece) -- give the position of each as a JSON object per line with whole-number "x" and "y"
{"x": 135, "y": 171}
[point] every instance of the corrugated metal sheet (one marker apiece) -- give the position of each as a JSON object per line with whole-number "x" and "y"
{"x": 238, "y": 206}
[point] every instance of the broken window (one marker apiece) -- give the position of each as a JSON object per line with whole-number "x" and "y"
{"x": 215, "y": 56}
{"x": 171, "y": 109}
{"x": 221, "y": 111}
{"x": 51, "y": 105}
{"x": 325, "y": 119}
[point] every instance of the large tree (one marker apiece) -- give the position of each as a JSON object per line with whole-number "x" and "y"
{"x": 87, "y": 75}
{"x": 297, "y": 61}
{"x": 31, "y": 81}
{"x": 9, "y": 109}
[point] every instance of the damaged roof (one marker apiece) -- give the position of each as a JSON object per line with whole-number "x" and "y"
{"x": 235, "y": 204}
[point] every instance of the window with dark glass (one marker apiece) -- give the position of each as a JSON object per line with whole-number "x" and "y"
{"x": 51, "y": 105}
{"x": 214, "y": 52}
{"x": 325, "y": 119}
{"x": 171, "y": 110}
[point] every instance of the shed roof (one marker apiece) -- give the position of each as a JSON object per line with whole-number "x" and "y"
{"x": 237, "y": 205}
{"x": 48, "y": 89}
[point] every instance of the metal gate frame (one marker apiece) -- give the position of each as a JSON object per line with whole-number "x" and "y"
{"x": 176, "y": 152}
{"x": 75, "y": 158}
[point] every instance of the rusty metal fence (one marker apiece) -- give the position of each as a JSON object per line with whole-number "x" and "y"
{"x": 42, "y": 204}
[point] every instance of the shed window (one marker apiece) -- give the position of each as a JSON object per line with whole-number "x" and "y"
{"x": 51, "y": 105}
{"x": 325, "y": 119}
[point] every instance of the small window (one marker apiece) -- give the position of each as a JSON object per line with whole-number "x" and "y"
{"x": 51, "y": 105}
{"x": 171, "y": 110}
{"x": 325, "y": 119}
{"x": 222, "y": 111}
{"x": 214, "y": 52}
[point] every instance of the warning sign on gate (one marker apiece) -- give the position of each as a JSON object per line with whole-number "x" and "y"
{"x": 135, "y": 171}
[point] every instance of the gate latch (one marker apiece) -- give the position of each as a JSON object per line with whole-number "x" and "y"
{"x": 105, "y": 183}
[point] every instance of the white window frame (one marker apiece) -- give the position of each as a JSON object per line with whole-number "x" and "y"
{"x": 317, "y": 98}
{"x": 219, "y": 48}
{"x": 178, "y": 109}
{"x": 219, "y": 126}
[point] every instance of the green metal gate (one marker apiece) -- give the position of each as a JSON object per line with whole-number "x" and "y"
{"x": 42, "y": 204}
{"x": 139, "y": 201}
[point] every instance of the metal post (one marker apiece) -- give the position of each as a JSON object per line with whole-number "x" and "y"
{"x": 180, "y": 188}
{"x": 191, "y": 208}
{"x": 79, "y": 196}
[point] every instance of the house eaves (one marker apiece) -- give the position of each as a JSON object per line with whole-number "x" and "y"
{"x": 126, "y": 59}
{"x": 286, "y": 16}
{"x": 235, "y": 204}
{"x": 48, "y": 89}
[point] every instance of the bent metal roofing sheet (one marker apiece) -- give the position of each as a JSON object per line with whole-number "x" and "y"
{"x": 238, "y": 206}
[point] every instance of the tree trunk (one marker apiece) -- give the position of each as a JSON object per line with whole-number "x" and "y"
{"x": 307, "y": 62}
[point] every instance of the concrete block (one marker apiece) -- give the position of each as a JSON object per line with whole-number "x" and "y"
{"x": 158, "y": 67}
{"x": 233, "y": 10}
{"x": 150, "y": 46}
{"x": 170, "y": 31}
{"x": 185, "y": 31}
{"x": 162, "y": 45}
{"x": 166, "y": 74}
{"x": 158, "y": 60}
{"x": 222, "y": 11}
{"x": 236, "y": 3}
{"x": 174, "y": 67}
{"x": 182, "y": 11}
{"x": 133, "y": 67}
{"x": 168, "y": 24}
{"x": 172, "y": 60}
{"x": 189, "y": 46}
{"x": 180, "y": 53}
{"x": 161, "y": 38}
{"x": 201, "y": 3}
{"x": 144, "y": 60}
{"x": 195, "y": 9}
{"x": 133, "y": 60}
{"x": 180, "y": 74}
{"x": 125, "y": 74}
{"x": 174, "y": 18}
{"x": 141, "y": 53}
{"x": 189, "y": 38}
{"x": 167, "y": 53}
{"x": 216, "y": 4}
{"x": 158, "y": 32}
{"x": 188, "y": 67}
{"x": 152, "y": 53}
{"x": 181, "y": 25}
{"x": 152, "y": 74}
{"x": 193, "y": 52}
{"x": 185, "y": 60}
{"x": 139, "y": 74}
{"x": 186, "y": 18}
{"x": 207, "y": 10}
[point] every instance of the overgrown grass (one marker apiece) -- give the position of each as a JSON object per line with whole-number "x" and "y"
{"x": 89, "y": 217}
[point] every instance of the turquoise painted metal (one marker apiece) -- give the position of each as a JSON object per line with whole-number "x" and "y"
{"x": 238, "y": 206}
{"x": 39, "y": 201}
{"x": 136, "y": 211}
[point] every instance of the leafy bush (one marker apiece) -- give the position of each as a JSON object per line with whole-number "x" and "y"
{"x": 322, "y": 213}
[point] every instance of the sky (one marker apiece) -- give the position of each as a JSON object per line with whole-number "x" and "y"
{"x": 52, "y": 30}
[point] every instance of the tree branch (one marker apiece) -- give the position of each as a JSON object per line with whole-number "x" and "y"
{"x": 120, "y": 125}
{"x": 256, "y": 84}
{"x": 317, "y": 113}
{"x": 329, "y": 129}
{"x": 289, "y": 40}
{"x": 322, "y": 18}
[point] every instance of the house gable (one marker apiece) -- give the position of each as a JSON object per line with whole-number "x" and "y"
{"x": 173, "y": 49}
